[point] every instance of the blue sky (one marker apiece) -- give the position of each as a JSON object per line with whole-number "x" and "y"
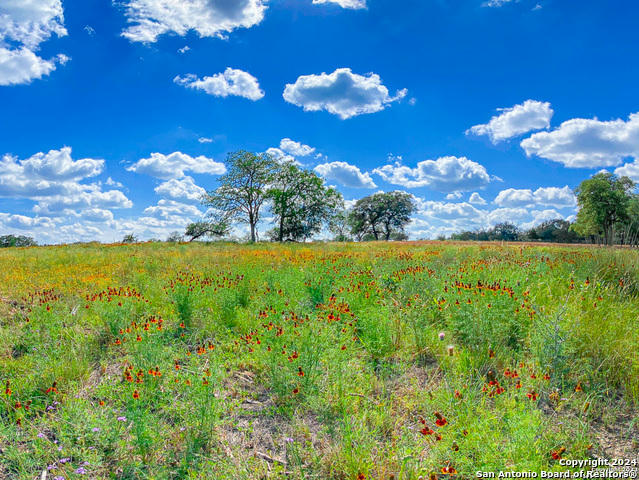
{"x": 115, "y": 117}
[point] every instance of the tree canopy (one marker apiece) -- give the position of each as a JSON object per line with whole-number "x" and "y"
{"x": 243, "y": 189}
{"x": 381, "y": 215}
{"x": 604, "y": 204}
{"x": 301, "y": 203}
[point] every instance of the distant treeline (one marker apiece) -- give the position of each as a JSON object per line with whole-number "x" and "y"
{"x": 301, "y": 206}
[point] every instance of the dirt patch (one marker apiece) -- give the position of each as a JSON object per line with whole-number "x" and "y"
{"x": 621, "y": 438}
{"x": 256, "y": 429}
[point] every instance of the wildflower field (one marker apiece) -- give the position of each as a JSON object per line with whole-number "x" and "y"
{"x": 324, "y": 361}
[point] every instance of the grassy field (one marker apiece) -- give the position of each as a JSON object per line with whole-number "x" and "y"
{"x": 356, "y": 361}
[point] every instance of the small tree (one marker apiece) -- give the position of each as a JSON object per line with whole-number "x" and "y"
{"x": 604, "y": 201}
{"x": 205, "y": 229}
{"x": 301, "y": 203}
{"x": 175, "y": 237}
{"x": 242, "y": 190}
{"x": 338, "y": 225}
{"x": 381, "y": 215}
{"x": 130, "y": 238}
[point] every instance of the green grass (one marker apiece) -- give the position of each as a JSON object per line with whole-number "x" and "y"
{"x": 314, "y": 361}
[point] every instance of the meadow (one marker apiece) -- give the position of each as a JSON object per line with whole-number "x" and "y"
{"x": 324, "y": 361}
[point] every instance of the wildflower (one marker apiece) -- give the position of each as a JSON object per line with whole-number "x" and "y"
{"x": 300, "y": 372}
{"x": 121, "y": 419}
{"x": 556, "y": 454}
{"x": 136, "y": 394}
{"x": 532, "y": 395}
{"x": 441, "y": 421}
{"x": 296, "y": 390}
{"x": 442, "y": 335}
{"x": 448, "y": 470}
{"x": 95, "y": 429}
{"x": 426, "y": 431}
{"x": 451, "y": 350}
{"x": 578, "y": 387}
{"x": 41, "y": 435}
{"x": 81, "y": 470}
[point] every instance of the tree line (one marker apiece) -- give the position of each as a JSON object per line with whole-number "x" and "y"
{"x": 608, "y": 214}
{"x": 301, "y": 205}
{"x": 300, "y": 202}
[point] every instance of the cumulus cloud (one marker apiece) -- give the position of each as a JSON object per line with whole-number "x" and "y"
{"x": 45, "y": 174}
{"x": 24, "y": 25}
{"x": 294, "y": 148}
{"x": 351, "y": 4}
{"x": 231, "y": 82}
{"x": 547, "y": 196}
{"x": 629, "y": 170}
{"x": 167, "y": 209}
{"x": 281, "y": 156}
{"x": 514, "y": 121}
{"x": 21, "y": 66}
{"x": 454, "y": 196}
{"x": 184, "y": 189}
{"x": 476, "y": 199}
{"x": 86, "y": 200}
{"x": 175, "y": 165}
{"x": 345, "y": 174}
{"x": 587, "y": 143}
{"x": 341, "y": 93}
{"x": 209, "y": 18}
{"x": 445, "y": 174}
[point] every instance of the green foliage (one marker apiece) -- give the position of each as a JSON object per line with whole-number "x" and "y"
{"x": 313, "y": 361}
{"x": 16, "y": 241}
{"x": 381, "y": 215}
{"x": 604, "y": 202}
{"x": 301, "y": 203}
{"x": 243, "y": 188}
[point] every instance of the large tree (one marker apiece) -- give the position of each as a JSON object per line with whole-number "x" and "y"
{"x": 301, "y": 203}
{"x": 243, "y": 189}
{"x": 604, "y": 201}
{"x": 381, "y": 215}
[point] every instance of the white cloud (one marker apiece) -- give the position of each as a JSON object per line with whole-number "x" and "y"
{"x": 345, "y": 174}
{"x": 495, "y": 3}
{"x": 281, "y": 156}
{"x": 175, "y": 165}
{"x": 167, "y": 209}
{"x": 21, "y": 222}
{"x": 24, "y": 25}
{"x": 46, "y": 174}
{"x": 476, "y": 199}
{"x": 629, "y": 170}
{"x": 351, "y": 4}
{"x": 587, "y": 143}
{"x": 454, "y": 196}
{"x": 341, "y": 93}
{"x": 21, "y": 66}
{"x": 184, "y": 49}
{"x": 448, "y": 211}
{"x": 86, "y": 200}
{"x": 231, "y": 82}
{"x": 205, "y": 140}
{"x": 209, "y": 18}
{"x": 514, "y": 121}
{"x": 31, "y": 22}
{"x": 547, "y": 196}
{"x": 296, "y": 149}
{"x": 185, "y": 190}
{"x": 112, "y": 183}
{"x": 445, "y": 174}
